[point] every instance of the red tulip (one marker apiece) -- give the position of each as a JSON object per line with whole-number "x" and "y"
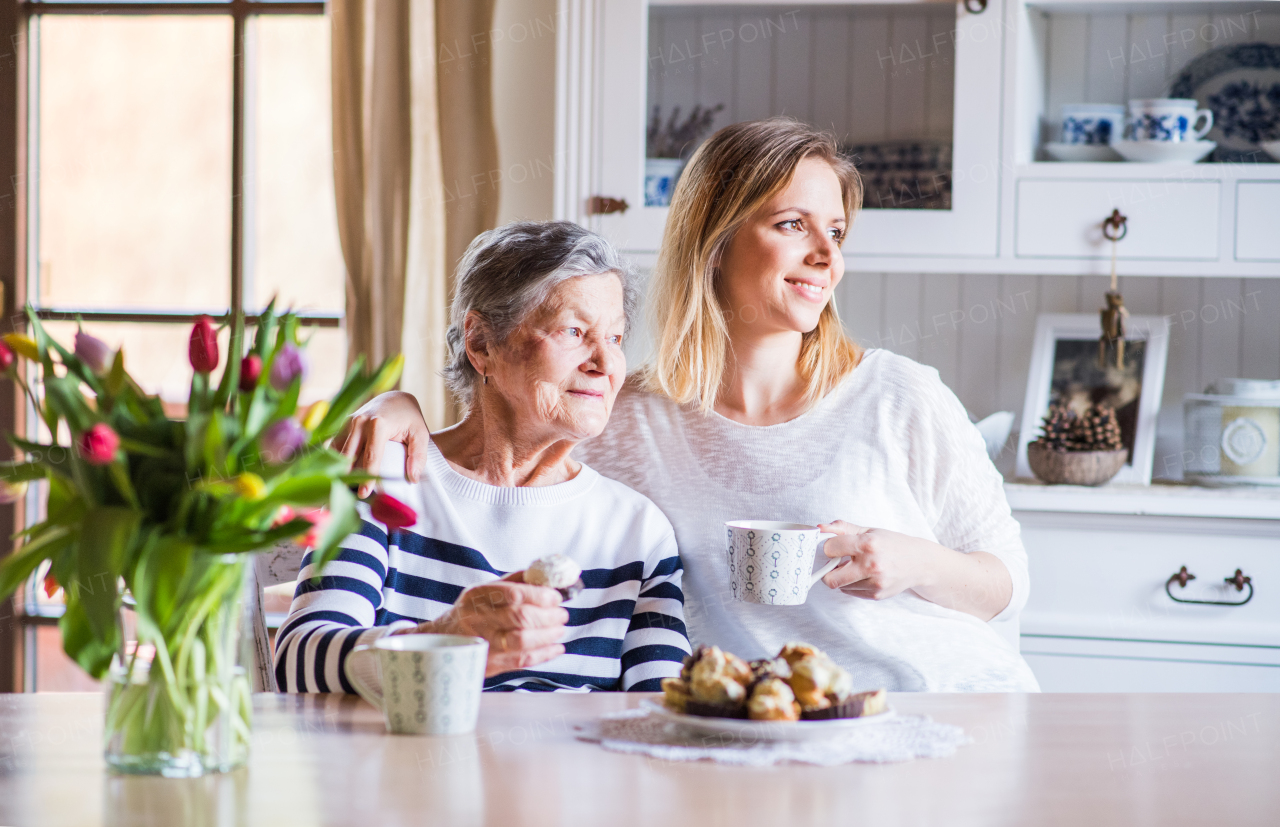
{"x": 319, "y": 519}
{"x": 203, "y": 348}
{"x": 98, "y": 445}
{"x": 391, "y": 512}
{"x": 6, "y": 357}
{"x": 50, "y": 585}
{"x": 250, "y": 370}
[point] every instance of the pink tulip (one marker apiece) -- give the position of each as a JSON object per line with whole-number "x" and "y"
{"x": 319, "y": 519}
{"x": 250, "y": 370}
{"x": 98, "y": 445}
{"x": 391, "y": 512}
{"x": 288, "y": 366}
{"x": 6, "y": 357}
{"x": 203, "y": 347}
{"x": 95, "y": 353}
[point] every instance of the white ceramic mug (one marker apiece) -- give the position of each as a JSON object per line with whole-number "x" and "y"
{"x": 431, "y": 684}
{"x": 1167, "y": 119}
{"x": 772, "y": 562}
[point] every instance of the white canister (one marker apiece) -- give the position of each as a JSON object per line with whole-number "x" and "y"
{"x": 1232, "y": 432}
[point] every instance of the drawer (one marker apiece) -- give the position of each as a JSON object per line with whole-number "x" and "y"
{"x": 1257, "y": 217}
{"x": 1103, "y": 576}
{"x": 1168, "y": 219}
{"x": 1074, "y": 672}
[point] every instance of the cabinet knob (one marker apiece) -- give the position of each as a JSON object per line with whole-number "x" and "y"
{"x": 975, "y": 6}
{"x": 603, "y": 205}
{"x": 1116, "y": 226}
{"x": 1240, "y": 580}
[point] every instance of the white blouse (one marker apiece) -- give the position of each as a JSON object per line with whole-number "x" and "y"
{"x": 891, "y": 447}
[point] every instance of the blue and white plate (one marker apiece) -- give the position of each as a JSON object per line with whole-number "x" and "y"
{"x": 1241, "y": 84}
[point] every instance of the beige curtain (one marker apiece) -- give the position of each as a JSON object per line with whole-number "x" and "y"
{"x": 410, "y": 114}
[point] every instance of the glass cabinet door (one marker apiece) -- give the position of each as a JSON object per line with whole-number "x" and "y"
{"x": 910, "y": 89}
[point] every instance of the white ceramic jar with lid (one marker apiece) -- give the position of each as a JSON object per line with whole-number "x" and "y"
{"x": 1232, "y": 433}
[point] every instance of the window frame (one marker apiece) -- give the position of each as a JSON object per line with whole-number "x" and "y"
{"x": 20, "y": 618}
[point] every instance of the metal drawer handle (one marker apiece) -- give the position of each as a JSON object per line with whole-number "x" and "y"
{"x": 975, "y": 6}
{"x": 1240, "y": 580}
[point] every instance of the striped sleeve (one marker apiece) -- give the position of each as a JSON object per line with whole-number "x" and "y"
{"x": 656, "y": 641}
{"x": 333, "y": 614}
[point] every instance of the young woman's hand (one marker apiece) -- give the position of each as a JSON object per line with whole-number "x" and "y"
{"x": 389, "y": 417}
{"x": 522, "y": 623}
{"x": 882, "y": 563}
{"x": 878, "y": 563}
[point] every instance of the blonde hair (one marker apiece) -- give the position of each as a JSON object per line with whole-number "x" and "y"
{"x": 729, "y": 178}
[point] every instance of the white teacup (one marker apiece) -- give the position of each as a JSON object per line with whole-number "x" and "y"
{"x": 772, "y": 563}
{"x": 1168, "y": 119}
{"x": 431, "y": 684}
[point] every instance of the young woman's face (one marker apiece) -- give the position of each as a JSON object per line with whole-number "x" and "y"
{"x": 779, "y": 271}
{"x": 559, "y": 372}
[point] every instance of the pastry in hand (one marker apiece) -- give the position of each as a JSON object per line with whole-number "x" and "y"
{"x": 772, "y": 700}
{"x": 557, "y": 572}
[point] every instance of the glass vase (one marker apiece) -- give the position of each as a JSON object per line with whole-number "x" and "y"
{"x": 179, "y": 703}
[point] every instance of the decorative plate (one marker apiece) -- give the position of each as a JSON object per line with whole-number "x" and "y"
{"x": 1164, "y": 152}
{"x": 755, "y": 731}
{"x": 1241, "y": 84}
{"x": 1081, "y": 153}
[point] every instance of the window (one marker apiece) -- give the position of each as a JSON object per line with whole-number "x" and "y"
{"x": 178, "y": 163}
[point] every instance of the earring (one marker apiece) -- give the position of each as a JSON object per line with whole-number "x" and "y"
{"x": 485, "y": 377}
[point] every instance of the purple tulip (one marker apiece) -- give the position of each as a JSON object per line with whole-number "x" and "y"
{"x": 288, "y": 366}
{"x": 282, "y": 440}
{"x": 95, "y": 353}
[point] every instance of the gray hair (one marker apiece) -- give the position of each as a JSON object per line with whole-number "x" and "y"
{"x": 508, "y": 272}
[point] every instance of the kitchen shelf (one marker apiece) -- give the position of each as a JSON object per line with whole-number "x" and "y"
{"x": 1162, "y": 500}
{"x": 1120, "y": 170}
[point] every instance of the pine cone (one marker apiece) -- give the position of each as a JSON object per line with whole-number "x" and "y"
{"x": 1095, "y": 430}
{"x": 1058, "y": 426}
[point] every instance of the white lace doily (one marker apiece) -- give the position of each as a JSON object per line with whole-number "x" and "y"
{"x": 900, "y": 738}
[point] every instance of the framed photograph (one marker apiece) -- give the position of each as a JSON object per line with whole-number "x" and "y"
{"x": 1065, "y": 368}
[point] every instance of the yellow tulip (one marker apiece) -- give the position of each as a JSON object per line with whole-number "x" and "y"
{"x": 22, "y": 345}
{"x": 315, "y": 414}
{"x": 250, "y": 486}
{"x": 393, "y": 370}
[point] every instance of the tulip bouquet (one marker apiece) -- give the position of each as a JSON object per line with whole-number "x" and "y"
{"x": 156, "y": 515}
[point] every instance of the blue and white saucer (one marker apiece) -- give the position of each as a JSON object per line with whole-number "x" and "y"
{"x": 1241, "y": 84}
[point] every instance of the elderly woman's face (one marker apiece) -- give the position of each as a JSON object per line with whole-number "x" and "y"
{"x": 560, "y": 371}
{"x": 780, "y": 269}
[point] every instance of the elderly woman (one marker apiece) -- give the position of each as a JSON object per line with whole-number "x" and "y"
{"x": 757, "y": 405}
{"x": 535, "y": 343}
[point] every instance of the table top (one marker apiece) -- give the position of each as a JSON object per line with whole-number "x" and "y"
{"x": 1035, "y": 760}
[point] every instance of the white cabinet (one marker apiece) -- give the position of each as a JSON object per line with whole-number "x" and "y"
{"x": 911, "y": 89}
{"x": 1100, "y": 618}
{"x": 948, "y": 112}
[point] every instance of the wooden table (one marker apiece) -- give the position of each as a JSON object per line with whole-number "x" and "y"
{"x": 1036, "y": 759}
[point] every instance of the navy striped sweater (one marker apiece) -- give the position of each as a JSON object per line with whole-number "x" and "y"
{"x": 626, "y": 628}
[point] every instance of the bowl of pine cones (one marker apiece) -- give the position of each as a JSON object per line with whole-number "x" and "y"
{"x": 1078, "y": 449}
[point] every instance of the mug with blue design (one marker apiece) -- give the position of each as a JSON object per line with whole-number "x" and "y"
{"x": 772, "y": 562}
{"x": 1167, "y": 120}
{"x": 1092, "y": 124}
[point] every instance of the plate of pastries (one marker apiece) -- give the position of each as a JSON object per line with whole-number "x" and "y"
{"x": 798, "y": 694}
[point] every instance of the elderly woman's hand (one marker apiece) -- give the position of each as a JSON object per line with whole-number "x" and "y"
{"x": 389, "y": 417}
{"x": 522, "y": 623}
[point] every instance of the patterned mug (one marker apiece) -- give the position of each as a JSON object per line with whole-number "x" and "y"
{"x": 1092, "y": 124}
{"x": 772, "y": 563}
{"x": 430, "y": 683}
{"x": 1167, "y": 120}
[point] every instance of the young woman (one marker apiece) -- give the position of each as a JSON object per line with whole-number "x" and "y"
{"x": 756, "y": 405}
